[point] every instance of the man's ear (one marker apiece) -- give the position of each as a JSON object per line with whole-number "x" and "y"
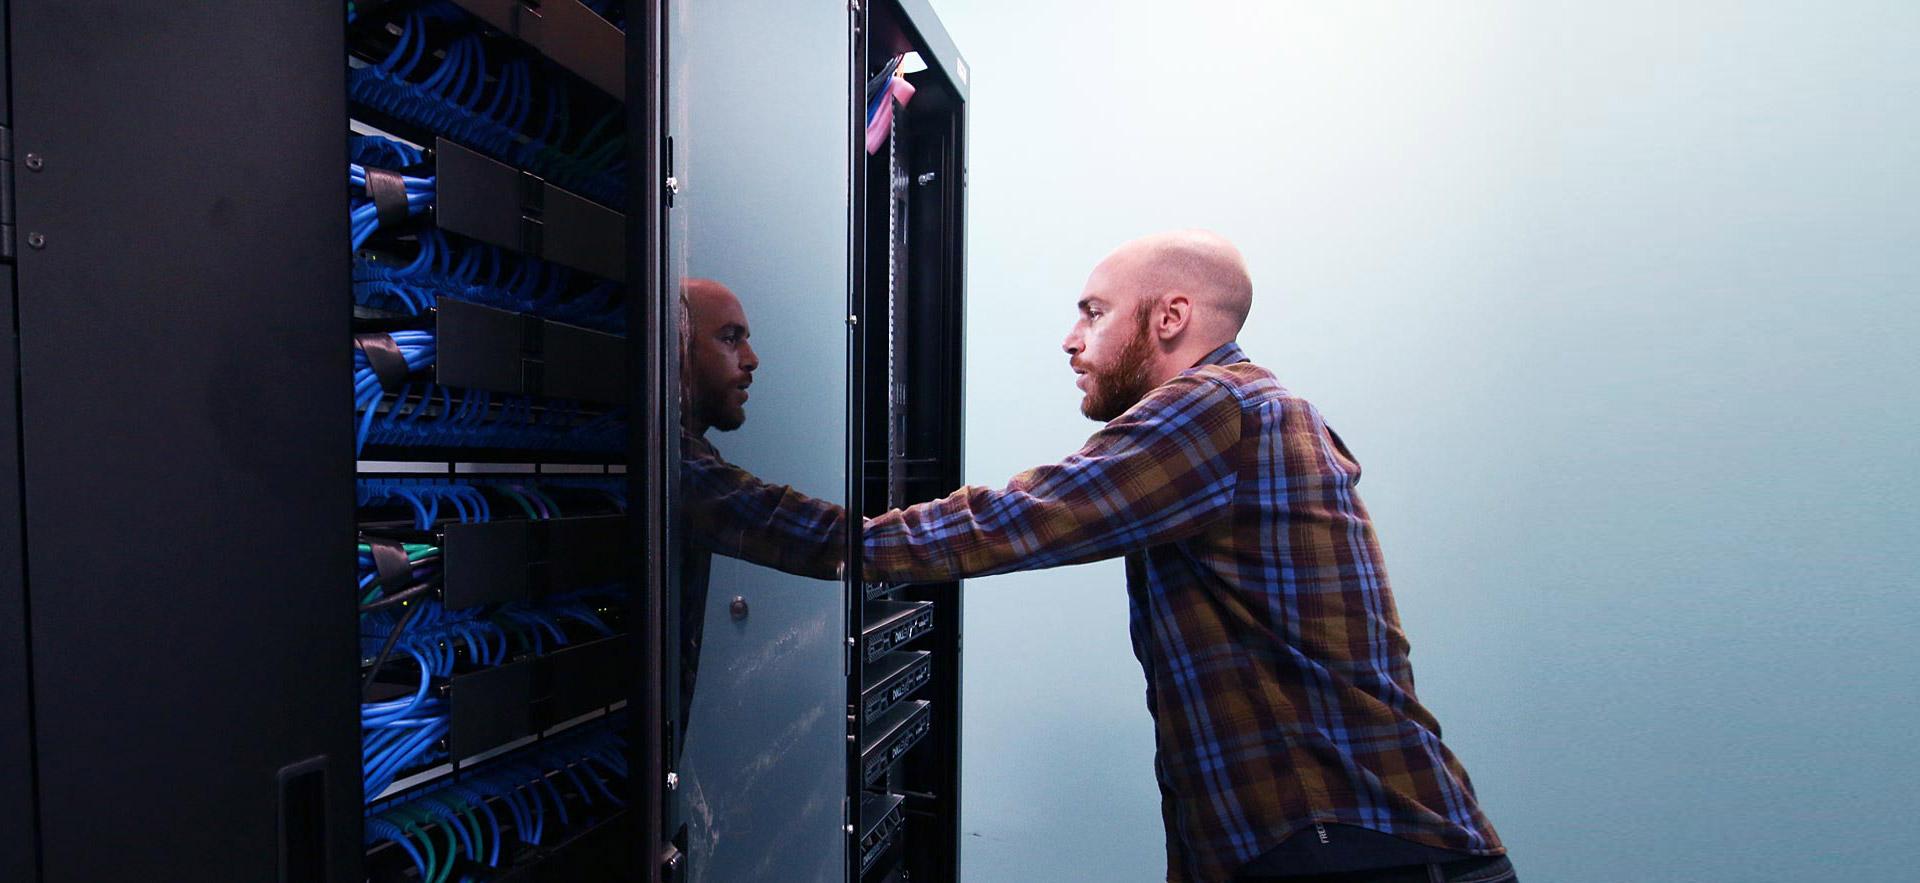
{"x": 1175, "y": 314}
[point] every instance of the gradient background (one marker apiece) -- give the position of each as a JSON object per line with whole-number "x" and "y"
{"x": 1615, "y": 302}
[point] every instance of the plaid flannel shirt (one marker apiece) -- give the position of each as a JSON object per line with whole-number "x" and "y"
{"x": 1277, "y": 673}
{"x": 731, "y": 511}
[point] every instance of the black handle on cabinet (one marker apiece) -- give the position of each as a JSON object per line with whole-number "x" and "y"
{"x": 303, "y": 821}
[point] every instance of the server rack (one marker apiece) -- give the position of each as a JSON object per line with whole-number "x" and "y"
{"x": 186, "y": 470}
{"x": 904, "y": 691}
{"x": 179, "y": 672}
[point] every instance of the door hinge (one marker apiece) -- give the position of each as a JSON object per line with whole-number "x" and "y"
{"x": 671, "y": 186}
{"x": 6, "y": 194}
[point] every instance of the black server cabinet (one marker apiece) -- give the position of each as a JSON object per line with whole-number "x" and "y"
{"x": 17, "y": 845}
{"x": 181, "y": 673}
{"x": 17, "y": 850}
{"x": 180, "y": 364}
{"x": 16, "y": 734}
{"x": 906, "y": 447}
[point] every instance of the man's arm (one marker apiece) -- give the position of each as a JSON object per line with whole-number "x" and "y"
{"x": 731, "y": 511}
{"x": 1163, "y": 471}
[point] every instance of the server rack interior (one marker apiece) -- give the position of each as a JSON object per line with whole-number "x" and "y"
{"x": 492, "y": 430}
{"x": 907, "y": 694}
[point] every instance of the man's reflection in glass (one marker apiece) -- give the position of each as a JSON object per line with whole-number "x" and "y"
{"x": 728, "y": 510}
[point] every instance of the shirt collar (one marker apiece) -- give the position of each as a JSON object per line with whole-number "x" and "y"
{"x": 698, "y": 444}
{"x": 1226, "y": 354}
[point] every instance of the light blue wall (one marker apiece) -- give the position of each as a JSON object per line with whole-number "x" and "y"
{"x": 1617, "y": 303}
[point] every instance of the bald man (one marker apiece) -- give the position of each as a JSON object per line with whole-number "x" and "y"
{"x": 1290, "y": 744}
{"x": 732, "y": 511}
{"x": 729, "y": 510}
{"x": 720, "y": 360}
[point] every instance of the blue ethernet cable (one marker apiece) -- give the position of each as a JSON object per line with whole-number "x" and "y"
{"x": 378, "y": 713}
{"x": 476, "y": 800}
{"x": 525, "y": 786}
{"x": 435, "y": 806}
{"x": 364, "y": 216}
{"x": 416, "y": 348}
{"x": 379, "y": 829}
{"x": 450, "y": 98}
{"x": 401, "y": 744}
{"x": 486, "y": 275}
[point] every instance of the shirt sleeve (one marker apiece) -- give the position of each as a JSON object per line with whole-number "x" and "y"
{"x": 1163, "y": 471}
{"x": 732, "y": 512}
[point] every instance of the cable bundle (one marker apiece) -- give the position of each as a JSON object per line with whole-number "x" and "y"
{"x": 492, "y": 109}
{"x": 486, "y": 275}
{"x": 403, "y": 733}
{"x": 422, "y": 558}
{"x": 387, "y": 153}
{"x": 491, "y": 636}
{"x": 443, "y": 417}
{"x": 540, "y": 505}
{"x": 436, "y": 415}
{"x": 613, "y": 489}
{"x": 424, "y": 496}
{"x": 465, "y": 496}
{"x": 438, "y": 827}
{"x": 365, "y": 213}
{"x": 416, "y": 348}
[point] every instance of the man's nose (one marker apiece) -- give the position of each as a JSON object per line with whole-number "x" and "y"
{"x": 749, "y": 360}
{"x": 1072, "y": 344}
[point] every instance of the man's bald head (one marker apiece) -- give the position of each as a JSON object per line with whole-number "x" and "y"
{"x": 719, "y": 362}
{"x": 1201, "y": 264}
{"x": 1151, "y": 309}
{"x": 705, "y": 297}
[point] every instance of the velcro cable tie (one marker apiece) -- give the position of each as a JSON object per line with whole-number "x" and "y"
{"x": 389, "y": 562}
{"x": 389, "y": 192}
{"x": 383, "y": 356}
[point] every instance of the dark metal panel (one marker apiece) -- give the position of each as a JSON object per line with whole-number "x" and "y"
{"x": 653, "y": 559}
{"x": 17, "y": 845}
{"x": 937, "y": 48}
{"x": 575, "y": 37}
{"x": 858, "y": 233}
{"x": 478, "y": 197}
{"x": 498, "y": 561}
{"x": 486, "y": 348}
{"x": 579, "y": 232}
{"x": 494, "y": 202}
{"x": 184, "y": 355}
{"x": 938, "y": 274}
{"x": 6, "y": 67}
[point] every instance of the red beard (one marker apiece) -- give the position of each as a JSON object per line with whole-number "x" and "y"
{"x": 1122, "y": 383}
